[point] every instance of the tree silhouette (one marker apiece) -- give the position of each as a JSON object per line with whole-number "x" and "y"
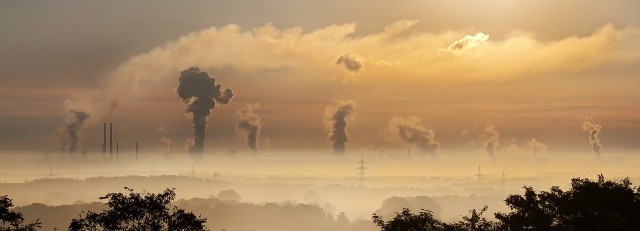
{"x": 474, "y": 222}
{"x": 10, "y": 221}
{"x": 589, "y": 205}
{"x": 139, "y": 211}
{"x": 424, "y": 221}
{"x": 407, "y": 221}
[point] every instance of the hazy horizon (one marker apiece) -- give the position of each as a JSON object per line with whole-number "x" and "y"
{"x": 281, "y": 100}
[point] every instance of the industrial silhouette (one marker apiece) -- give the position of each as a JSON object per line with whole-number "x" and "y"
{"x": 479, "y": 175}
{"x": 361, "y": 169}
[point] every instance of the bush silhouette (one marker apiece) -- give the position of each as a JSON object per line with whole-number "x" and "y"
{"x": 10, "y": 221}
{"x": 139, "y": 211}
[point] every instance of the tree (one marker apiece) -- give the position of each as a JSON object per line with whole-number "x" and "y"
{"x": 424, "y": 221}
{"x": 10, "y": 221}
{"x": 139, "y": 211}
{"x": 407, "y": 221}
{"x": 474, "y": 222}
{"x": 589, "y": 205}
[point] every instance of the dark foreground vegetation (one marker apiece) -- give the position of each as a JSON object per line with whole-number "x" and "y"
{"x": 588, "y": 205}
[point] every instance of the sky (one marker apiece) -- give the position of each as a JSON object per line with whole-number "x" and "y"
{"x": 490, "y": 77}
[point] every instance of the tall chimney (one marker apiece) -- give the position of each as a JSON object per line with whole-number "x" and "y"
{"x": 104, "y": 140}
{"x": 117, "y": 148}
{"x": 110, "y": 141}
{"x": 136, "y": 151}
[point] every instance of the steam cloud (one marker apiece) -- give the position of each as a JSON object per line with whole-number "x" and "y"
{"x": 164, "y": 145}
{"x": 491, "y": 140}
{"x": 489, "y": 137}
{"x": 468, "y": 42}
{"x": 69, "y": 131}
{"x": 412, "y": 131}
{"x": 536, "y": 147}
{"x": 350, "y": 62}
{"x": 594, "y": 131}
{"x": 335, "y": 119}
{"x": 249, "y": 124}
{"x": 200, "y": 92}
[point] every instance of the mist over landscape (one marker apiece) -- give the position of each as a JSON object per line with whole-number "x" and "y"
{"x": 288, "y": 115}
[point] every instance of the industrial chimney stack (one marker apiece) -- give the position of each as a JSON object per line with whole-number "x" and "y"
{"x": 110, "y": 141}
{"x": 104, "y": 141}
{"x": 136, "y": 151}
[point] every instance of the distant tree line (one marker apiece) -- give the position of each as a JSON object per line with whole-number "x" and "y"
{"x": 589, "y": 205}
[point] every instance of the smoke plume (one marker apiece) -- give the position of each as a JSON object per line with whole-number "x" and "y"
{"x": 335, "y": 119}
{"x": 350, "y": 62}
{"x": 411, "y": 130}
{"x": 594, "y": 131}
{"x": 536, "y": 147}
{"x": 489, "y": 137}
{"x": 249, "y": 124}
{"x": 164, "y": 145}
{"x": 490, "y": 140}
{"x": 200, "y": 92}
{"x": 69, "y": 131}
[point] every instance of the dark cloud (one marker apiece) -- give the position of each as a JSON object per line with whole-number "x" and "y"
{"x": 69, "y": 131}
{"x": 350, "y": 62}
{"x": 249, "y": 124}
{"x": 336, "y": 118}
{"x": 201, "y": 93}
{"x": 411, "y": 130}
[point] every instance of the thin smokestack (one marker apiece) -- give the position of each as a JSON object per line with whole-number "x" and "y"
{"x": 201, "y": 93}
{"x": 104, "y": 140}
{"x": 136, "y": 151}
{"x": 110, "y": 141}
{"x": 117, "y": 151}
{"x": 335, "y": 119}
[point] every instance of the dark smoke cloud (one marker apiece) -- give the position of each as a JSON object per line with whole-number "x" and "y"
{"x": 350, "y": 62}
{"x": 69, "y": 131}
{"x": 201, "y": 93}
{"x": 249, "y": 124}
{"x": 335, "y": 119}
{"x": 412, "y": 131}
{"x": 594, "y": 131}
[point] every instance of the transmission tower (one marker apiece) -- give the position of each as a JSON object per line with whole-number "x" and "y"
{"x": 361, "y": 174}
